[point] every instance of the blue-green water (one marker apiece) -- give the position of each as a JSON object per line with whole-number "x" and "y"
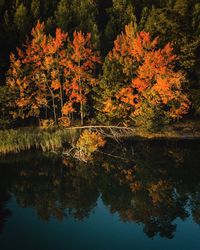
{"x": 140, "y": 196}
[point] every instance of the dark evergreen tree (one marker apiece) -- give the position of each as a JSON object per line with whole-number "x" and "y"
{"x": 21, "y": 21}
{"x": 63, "y": 15}
{"x": 121, "y": 13}
{"x": 35, "y": 9}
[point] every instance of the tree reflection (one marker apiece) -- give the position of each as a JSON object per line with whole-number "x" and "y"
{"x": 4, "y": 212}
{"x": 148, "y": 183}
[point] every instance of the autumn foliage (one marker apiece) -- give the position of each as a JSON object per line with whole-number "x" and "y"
{"x": 53, "y": 74}
{"x": 55, "y": 77}
{"x": 80, "y": 64}
{"x": 88, "y": 143}
{"x": 151, "y": 84}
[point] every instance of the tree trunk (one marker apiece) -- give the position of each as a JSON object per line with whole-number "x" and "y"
{"x": 53, "y": 101}
{"x": 54, "y": 109}
{"x": 81, "y": 108}
{"x": 81, "y": 102}
{"x": 61, "y": 96}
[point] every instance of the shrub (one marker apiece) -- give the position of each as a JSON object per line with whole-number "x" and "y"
{"x": 88, "y": 143}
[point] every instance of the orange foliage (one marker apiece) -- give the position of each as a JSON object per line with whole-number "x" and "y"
{"x": 80, "y": 66}
{"x": 67, "y": 109}
{"x": 55, "y": 84}
{"x": 154, "y": 80}
{"x": 108, "y": 106}
{"x": 53, "y": 69}
{"x": 88, "y": 143}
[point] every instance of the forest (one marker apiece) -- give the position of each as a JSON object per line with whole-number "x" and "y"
{"x": 108, "y": 62}
{"x": 99, "y": 124}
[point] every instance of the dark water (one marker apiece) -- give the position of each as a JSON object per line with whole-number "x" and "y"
{"x": 132, "y": 196}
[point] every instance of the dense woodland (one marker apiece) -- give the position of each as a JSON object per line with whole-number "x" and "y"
{"x": 128, "y": 62}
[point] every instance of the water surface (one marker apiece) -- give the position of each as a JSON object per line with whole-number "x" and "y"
{"x": 135, "y": 195}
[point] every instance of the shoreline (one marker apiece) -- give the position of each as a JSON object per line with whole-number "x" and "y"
{"x": 55, "y": 138}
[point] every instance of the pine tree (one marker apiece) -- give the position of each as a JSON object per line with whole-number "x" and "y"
{"x": 121, "y": 13}
{"x": 21, "y": 20}
{"x": 35, "y": 9}
{"x": 63, "y": 15}
{"x": 175, "y": 24}
{"x": 85, "y": 14}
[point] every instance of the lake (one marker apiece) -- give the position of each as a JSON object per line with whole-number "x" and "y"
{"x": 133, "y": 195}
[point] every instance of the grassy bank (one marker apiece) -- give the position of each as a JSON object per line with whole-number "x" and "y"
{"x": 184, "y": 130}
{"x": 17, "y": 140}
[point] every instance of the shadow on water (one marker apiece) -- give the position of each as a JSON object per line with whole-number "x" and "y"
{"x": 4, "y": 212}
{"x": 151, "y": 183}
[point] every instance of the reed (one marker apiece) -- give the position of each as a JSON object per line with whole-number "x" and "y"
{"x": 17, "y": 140}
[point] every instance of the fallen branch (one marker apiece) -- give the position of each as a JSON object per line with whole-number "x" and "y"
{"x": 100, "y": 126}
{"x": 108, "y": 131}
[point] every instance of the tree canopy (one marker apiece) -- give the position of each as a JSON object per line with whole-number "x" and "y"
{"x": 97, "y": 25}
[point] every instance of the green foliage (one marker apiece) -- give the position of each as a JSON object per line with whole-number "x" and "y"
{"x": 78, "y": 15}
{"x": 111, "y": 81}
{"x": 21, "y": 20}
{"x": 179, "y": 22}
{"x": 195, "y": 95}
{"x": 6, "y": 99}
{"x": 152, "y": 118}
{"x": 182, "y": 7}
{"x": 164, "y": 23}
{"x": 121, "y": 13}
{"x": 63, "y": 15}
{"x": 196, "y": 19}
{"x": 35, "y": 9}
{"x": 179, "y": 25}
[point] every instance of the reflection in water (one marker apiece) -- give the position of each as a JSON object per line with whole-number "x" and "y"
{"x": 148, "y": 183}
{"x": 4, "y": 212}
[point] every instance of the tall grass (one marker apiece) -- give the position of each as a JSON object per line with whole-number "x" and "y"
{"x": 17, "y": 140}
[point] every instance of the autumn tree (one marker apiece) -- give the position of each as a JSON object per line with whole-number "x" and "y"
{"x": 53, "y": 74}
{"x": 150, "y": 88}
{"x": 178, "y": 22}
{"x": 79, "y": 73}
{"x": 35, "y": 73}
{"x": 88, "y": 143}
